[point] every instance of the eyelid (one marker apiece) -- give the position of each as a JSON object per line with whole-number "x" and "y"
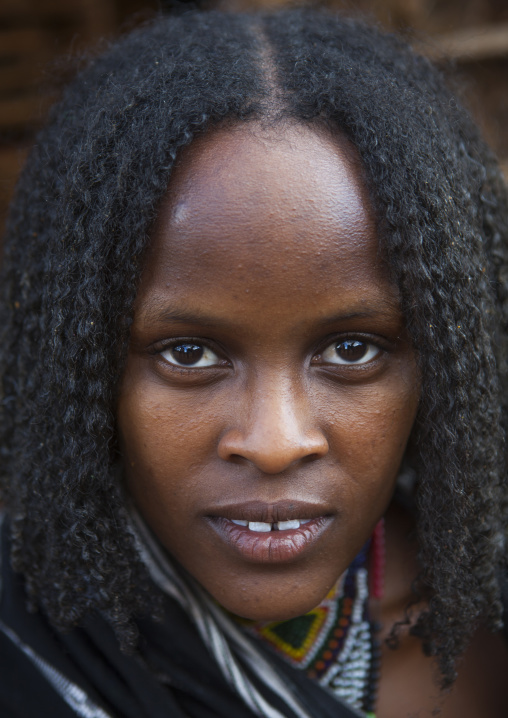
{"x": 160, "y": 347}
{"x": 371, "y": 353}
{"x": 376, "y": 345}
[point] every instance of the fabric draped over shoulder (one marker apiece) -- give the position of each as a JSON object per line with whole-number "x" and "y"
{"x": 84, "y": 673}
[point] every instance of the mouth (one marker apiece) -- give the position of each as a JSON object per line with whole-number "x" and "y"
{"x": 270, "y": 533}
{"x": 264, "y": 527}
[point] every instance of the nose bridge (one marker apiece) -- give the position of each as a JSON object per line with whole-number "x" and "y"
{"x": 276, "y": 426}
{"x": 277, "y": 410}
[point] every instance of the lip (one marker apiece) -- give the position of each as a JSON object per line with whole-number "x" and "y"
{"x": 274, "y": 546}
{"x": 270, "y": 512}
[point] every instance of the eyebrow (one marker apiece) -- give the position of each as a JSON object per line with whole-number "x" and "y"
{"x": 385, "y": 308}
{"x": 172, "y": 316}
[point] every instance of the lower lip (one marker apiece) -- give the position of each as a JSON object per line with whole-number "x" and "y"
{"x": 270, "y": 546}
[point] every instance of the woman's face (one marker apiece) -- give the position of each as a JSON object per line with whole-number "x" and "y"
{"x": 270, "y": 386}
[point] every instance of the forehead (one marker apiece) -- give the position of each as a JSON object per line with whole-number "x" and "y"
{"x": 266, "y": 205}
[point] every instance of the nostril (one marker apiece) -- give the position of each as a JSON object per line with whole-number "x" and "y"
{"x": 311, "y": 457}
{"x": 273, "y": 441}
{"x": 237, "y": 459}
{"x": 270, "y": 457}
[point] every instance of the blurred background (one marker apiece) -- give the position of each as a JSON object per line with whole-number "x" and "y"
{"x": 39, "y": 37}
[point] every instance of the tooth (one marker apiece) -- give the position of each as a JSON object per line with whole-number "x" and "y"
{"x": 239, "y": 522}
{"x": 285, "y": 525}
{"x": 259, "y": 526}
{"x": 305, "y": 521}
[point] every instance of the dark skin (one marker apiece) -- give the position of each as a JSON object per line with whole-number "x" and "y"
{"x": 270, "y": 378}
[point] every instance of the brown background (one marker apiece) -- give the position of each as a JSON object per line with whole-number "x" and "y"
{"x": 38, "y": 36}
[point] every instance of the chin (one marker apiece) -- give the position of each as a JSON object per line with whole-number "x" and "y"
{"x": 266, "y": 611}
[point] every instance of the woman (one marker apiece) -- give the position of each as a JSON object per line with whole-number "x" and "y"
{"x": 254, "y": 302}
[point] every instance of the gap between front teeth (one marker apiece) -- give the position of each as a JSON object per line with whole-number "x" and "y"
{"x": 263, "y": 526}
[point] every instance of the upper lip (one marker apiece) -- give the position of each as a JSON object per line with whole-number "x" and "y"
{"x": 285, "y": 510}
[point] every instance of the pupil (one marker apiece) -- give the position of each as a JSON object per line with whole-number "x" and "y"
{"x": 187, "y": 353}
{"x": 351, "y": 350}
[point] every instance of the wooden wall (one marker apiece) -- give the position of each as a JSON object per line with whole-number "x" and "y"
{"x": 37, "y": 37}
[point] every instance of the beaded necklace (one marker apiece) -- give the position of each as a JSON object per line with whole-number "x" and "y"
{"x": 335, "y": 643}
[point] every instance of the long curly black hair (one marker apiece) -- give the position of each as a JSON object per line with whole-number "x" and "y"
{"x": 74, "y": 246}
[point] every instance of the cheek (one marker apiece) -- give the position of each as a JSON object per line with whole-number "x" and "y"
{"x": 368, "y": 428}
{"x": 165, "y": 437}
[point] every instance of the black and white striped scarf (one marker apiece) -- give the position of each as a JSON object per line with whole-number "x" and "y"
{"x": 196, "y": 663}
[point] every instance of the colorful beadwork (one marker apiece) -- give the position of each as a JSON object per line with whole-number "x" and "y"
{"x": 335, "y": 643}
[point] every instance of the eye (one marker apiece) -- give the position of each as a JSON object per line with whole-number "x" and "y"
{"x": 350, "y": 351}
{"x": 190, "y": 354}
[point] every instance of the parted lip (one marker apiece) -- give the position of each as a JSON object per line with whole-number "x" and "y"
{"x": 285, "y": 510}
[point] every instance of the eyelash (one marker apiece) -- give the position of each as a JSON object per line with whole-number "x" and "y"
{"x": 198, "y": 343}
{"x": 195, "y": 344}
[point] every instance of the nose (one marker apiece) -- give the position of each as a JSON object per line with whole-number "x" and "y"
{"x": 276, "y": 431}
